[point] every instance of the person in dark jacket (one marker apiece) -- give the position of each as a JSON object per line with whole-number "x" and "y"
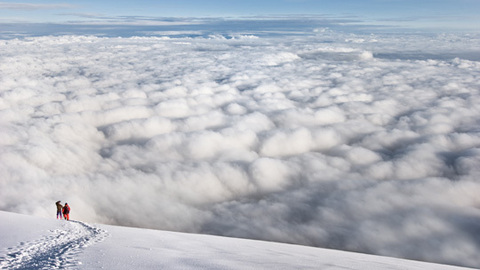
{"x": 66, "y": 211}
{"x": 59, "y": 210}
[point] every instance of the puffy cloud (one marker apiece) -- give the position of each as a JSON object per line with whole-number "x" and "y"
{"x": 339, "y": 141}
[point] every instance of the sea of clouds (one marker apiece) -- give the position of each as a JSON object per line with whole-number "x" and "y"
{"x": 368, "y": 143}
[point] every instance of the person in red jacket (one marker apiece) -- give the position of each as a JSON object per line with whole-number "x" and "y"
{"x": 66, "y": 211}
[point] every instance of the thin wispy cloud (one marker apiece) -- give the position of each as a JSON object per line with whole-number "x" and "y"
{"x": 442, "y": 15}
{"x": 32, "y": 6}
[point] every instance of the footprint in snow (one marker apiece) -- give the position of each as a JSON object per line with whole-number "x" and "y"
{"x": 55, "y": 251}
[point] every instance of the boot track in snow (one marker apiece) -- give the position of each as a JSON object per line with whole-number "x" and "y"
{"x": 55, "y": 251}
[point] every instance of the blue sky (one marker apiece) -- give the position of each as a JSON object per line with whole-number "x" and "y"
{"x": 430, "y": 14}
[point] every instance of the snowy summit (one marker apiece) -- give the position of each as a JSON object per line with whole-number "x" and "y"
{"x": 324, "y": 125}
{"x": 28, "y": 242}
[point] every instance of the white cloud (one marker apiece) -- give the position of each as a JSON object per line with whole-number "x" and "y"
{"x": 31, "y": 6}
{"x": 316, "y": 140}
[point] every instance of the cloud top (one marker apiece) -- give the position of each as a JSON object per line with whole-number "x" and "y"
{"x": 337, "y": 141}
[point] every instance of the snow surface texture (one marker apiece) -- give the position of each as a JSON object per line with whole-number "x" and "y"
{"x": 56, "y": 250}
{"x": 43, "y": 243}
{"x": 365, "y": 143}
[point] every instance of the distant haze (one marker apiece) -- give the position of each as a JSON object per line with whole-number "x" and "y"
{"x": 368, "y": 143}
{"x": 438, "y": 15}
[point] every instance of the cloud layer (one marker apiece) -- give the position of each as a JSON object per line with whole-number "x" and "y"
{"x": 363, "y": 143}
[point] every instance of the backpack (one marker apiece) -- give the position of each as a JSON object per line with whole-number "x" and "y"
{"x": 66, "y": 210}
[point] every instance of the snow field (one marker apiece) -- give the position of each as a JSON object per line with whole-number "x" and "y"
{"x": 41, "y": 243}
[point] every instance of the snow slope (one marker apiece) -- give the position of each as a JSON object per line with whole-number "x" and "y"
{"x": 28, "y": 242}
